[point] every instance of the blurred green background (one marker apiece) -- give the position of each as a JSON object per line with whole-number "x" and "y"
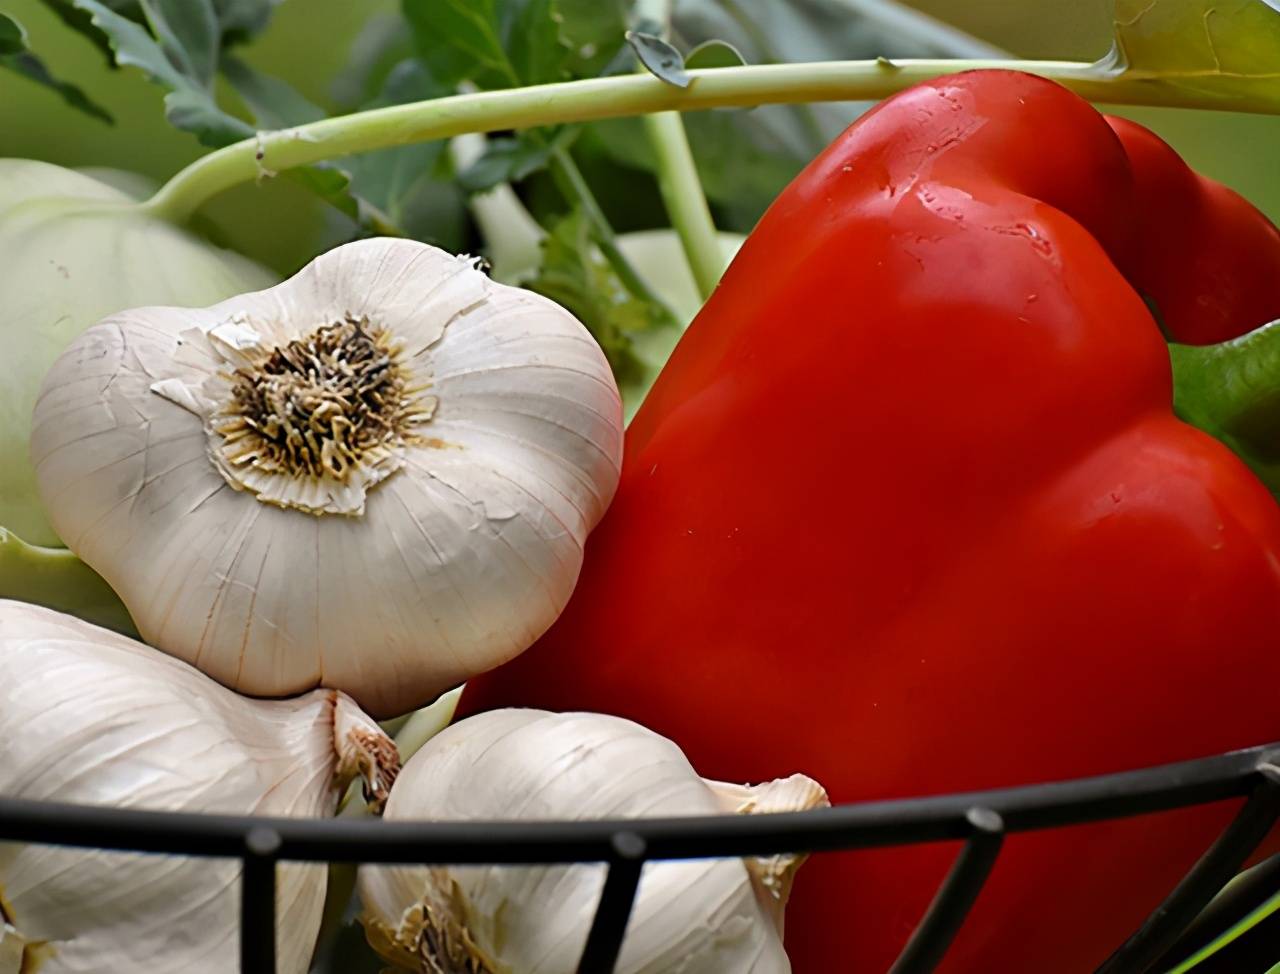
{"x": 309, "y": 40}
{"x": 275, "y": 222}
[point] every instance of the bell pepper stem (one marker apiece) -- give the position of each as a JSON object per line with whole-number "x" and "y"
{"x": 1232, "y": 391}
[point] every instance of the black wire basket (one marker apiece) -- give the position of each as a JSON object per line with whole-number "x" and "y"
{"x": 981, "y": 819}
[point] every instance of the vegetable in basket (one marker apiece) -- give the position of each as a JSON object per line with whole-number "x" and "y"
{"x": 715, "y": 916}
{"x": 376, "y": 476}
{"x": 910, "y": 508}
{"x": 91, "y": 717}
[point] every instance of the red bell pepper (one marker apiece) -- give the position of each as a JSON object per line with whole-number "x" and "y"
{"x": 910, "y": 511}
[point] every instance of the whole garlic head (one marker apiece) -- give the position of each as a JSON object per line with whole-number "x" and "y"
{"x": 690, "y": 917}
{"x": 377, "y": 476}
{"x": 73, "y": 249}
{"x": 91, "y": 717}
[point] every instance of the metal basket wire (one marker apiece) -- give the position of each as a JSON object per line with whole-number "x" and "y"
{"x": 981, "y": 819}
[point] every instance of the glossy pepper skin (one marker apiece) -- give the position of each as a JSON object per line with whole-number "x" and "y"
{"x": 909, "y": 511}
{"x": 1210, "y": 256}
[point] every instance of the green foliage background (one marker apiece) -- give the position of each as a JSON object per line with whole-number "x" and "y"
{"x": 278, "y": 223}
{"x": 308, "y": 41}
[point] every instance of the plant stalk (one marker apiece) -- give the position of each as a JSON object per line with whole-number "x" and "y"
{"x": 614, "y": 97}
{"x": 574, "y": 186}
{"x": 684, "y": 199}
{"x": 678, "y": 181}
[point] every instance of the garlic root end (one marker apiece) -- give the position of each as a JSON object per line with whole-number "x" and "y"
{"x": 772, "y": 876}
{"x": 364, "y": 751}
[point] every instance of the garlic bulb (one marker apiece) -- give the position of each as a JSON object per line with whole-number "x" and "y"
{"x": 703, "y": 917}
{"x": 91, "y": 717}
{"x": 73, "y": 249}
{"x": 377, "y": 476}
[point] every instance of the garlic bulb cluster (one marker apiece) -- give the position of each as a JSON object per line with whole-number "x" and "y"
{"x": 695, "y": 917}
{"x": 91, "y": 717}
{"x": 377, "y": 476}
{"x": 72, "y": 250}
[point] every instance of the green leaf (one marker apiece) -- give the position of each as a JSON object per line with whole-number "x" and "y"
{"x": 533, "y": 43}
{"x": 575, "y": 275}
{"x": 333, "y": 183}
{"x": 188, "y": 35}
{"x": 275, "y": 103}
{"x": 594, "y": 34}
{"x": 742, "y": 164}
{"x": 131, "y": 44}
{"x": 492, "y": 43}
{"x": 1216, "y": 48}
{"x": 13, "y": 38}
{"x": 509, "y": 160}
{"x": 236, "y": 21}
{"x": 81, "y": 21}
{"x": 16, "y": 56}
{"x": 381, "y": 45}
{"x": 714, "y": 54}
{"x": 192, "y": 110}
{"x": 189, "y": 105}
{"x": 240, "y": 20}
{"x": 459, "y": 40}
{"x": 413, "y": 184}
{"x": 506, "y": 160}
{"x": 660, "y": 58}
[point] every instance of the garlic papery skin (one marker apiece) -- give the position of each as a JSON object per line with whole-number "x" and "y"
{"x": 690, "y": 917}
{"x": 91, "y": 717}
{"x": 72, "y": 250}
{"x": 377, "y": 476}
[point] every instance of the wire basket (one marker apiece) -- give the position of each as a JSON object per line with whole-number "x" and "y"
{"x": 980, "y": 818}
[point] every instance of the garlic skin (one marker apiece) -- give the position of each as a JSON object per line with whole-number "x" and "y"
{"x": 73, "y": 249}
{"x": 377, "y": 476}
{"x": 703, "y": 917}
{"x": 91, "y": 717}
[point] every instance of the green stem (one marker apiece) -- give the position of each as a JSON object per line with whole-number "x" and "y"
{"x": 614, "y": 97}
{"x": 1229, "y": 936}
{"x": 686, "y": 203}
{"x": 56, "y": 578}
{"x": 1232, "y": 391}
{"x": 574, "y": 186}
{"x": 678, "y": 180}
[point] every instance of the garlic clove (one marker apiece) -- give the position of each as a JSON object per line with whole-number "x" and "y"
{"x": 697, "y": 917}
{"x": 425, "y": 523}
{"x": 91, "y": 717}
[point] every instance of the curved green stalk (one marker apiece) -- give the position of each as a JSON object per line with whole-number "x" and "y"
{"x": 1230, "y": 936}
{"x": 56, "y": 578}
{"x": 614, "y": 97}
